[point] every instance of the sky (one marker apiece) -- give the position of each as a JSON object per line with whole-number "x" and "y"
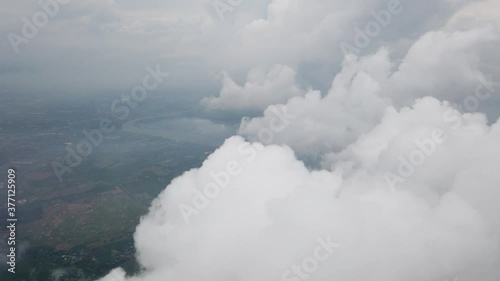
{"x": 90, "y": 47}
{"x": 368, "y": 142}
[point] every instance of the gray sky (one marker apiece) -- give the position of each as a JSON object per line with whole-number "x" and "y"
{"x": 96, "y": 46}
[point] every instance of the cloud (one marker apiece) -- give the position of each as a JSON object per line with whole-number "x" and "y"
{"x": 440, "y": 64}
{"x": 483, "y": 11}
{"x": 96, "y": 45}
{"x": 408, "y": 187}
{"x": 352, "y": 106}
{"x": 260, "y": 90}
{"x": 270, "y": 215}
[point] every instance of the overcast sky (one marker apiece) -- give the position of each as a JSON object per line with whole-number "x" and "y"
{"x": 96, "y": 46}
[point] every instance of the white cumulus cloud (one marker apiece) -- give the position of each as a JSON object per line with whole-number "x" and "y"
{"x": 261, "y": 89}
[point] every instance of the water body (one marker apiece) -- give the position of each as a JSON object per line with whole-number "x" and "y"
{"x": 179, "y": 127}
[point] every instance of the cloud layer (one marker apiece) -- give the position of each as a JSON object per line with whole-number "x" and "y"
{"x": 268, "y": 215}
{"x": 407, "y": 189}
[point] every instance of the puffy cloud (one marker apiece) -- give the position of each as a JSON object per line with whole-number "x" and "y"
{"x": 429, "y": 148}
{"x": 408, "y": 187}
{"x": 440, "y": 64}
{"x": 296, "y": 32}
{"x": 352, "y": 106}
{"x": 260, "y": 90}
{"x": 269, "y": 214}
